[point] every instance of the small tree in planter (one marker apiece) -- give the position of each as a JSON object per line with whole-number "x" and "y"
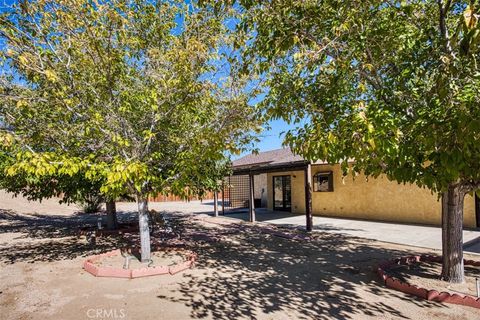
{"x": 130, "y": 93}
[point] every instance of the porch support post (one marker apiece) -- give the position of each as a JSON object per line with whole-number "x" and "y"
{"x": 308, "y": 197}
{"x": 251, "y": 207}
{"x": 215, "y": 203}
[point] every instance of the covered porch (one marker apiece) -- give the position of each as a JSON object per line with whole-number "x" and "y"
{"x": 287, "y": 174}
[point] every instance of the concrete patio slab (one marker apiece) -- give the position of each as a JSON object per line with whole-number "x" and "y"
{"x": 411, "y": 235}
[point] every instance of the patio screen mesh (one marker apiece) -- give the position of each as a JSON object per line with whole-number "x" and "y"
{"x": 236, "y": 192}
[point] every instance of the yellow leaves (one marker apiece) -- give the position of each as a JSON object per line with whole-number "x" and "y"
{"x": 362, "y": 116}
{"x": 51, "y": 75}
{"x": 121, "y": 173}
{"x": 98, "y": 117}
{"x": 21, "y": 103}
{"x": 398, "y": 134}
{"x": 361, "y": 106}
{"x": 23, "y": 60}
{"x": 68, "y": 102}
{"x": 34, "y": 164}
{"x": 154, "y": 100}
{"x": 147, "y": 135}
{"x": 6, "y": 140}
{"x": 470, "y": 18}
{"x": 344, "y": 27}
{"x": 331, "y": 137}
{"x": 371, "y": 142}
{"x": 121, "y": 141}
{"x": 11, "y": 171}
{"x": 196, "y": 46}
{"x": 362, "y": 87}
{"x": 154, "y": 53}
{"x": 368, "y": 66}
{"x": 298, "y": 55}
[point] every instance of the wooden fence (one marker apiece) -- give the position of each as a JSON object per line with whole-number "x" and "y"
{"x": 172, "y": 198}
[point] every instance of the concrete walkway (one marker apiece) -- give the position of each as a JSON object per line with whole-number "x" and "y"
{"x": 411, "y": 235}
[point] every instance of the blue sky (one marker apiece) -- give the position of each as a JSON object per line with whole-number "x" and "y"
{"x": 270, "y": 139}
{"x": 273, "y": 138}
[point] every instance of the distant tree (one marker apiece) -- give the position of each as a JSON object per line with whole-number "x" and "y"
{"x": 392, "y": 84}
{"x": 138, "y": 95}
{"x": 67, "y": 188}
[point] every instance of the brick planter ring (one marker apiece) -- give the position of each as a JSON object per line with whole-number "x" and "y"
{"x": 431, "y": 295}
{"x": 114, "y": 272}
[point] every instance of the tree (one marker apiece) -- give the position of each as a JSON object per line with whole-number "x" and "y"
{"x": 68, "y": 188}
{"x": 135, "y": 94}
{"x": 391, "y": 84}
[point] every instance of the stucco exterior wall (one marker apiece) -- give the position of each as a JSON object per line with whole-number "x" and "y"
{"x": 298, "y": 190}
{"x": 260, "y": 188}
{"x": 375, "y": 199}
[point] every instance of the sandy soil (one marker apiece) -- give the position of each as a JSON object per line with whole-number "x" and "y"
{"x": 241, "y": 273}
{"x": 159, "y": 259}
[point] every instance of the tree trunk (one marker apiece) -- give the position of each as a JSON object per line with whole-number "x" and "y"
{"x": 144, "y": 230}
{"x": 452, "y": 234}
{"x": 112, "y": 223}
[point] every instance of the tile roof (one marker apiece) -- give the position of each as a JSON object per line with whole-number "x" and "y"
{"x": 273, "y": 157}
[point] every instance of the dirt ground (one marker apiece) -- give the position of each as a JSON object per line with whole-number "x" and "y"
{"x": 241, "y": 273}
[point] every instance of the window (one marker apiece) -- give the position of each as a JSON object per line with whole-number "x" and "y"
{"x": 323, "y": 182}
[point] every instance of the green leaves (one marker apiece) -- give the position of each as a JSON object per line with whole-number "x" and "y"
{"x": 126, "y": 94}
{"x": 380, "y": 82}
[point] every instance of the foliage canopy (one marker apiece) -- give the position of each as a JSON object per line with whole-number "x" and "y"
{"x": 392, "y": 84}
{"x": 139, "y": 95}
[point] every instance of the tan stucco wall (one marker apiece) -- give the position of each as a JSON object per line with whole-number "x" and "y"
{"x": 298, "y": 190}
{"x": 260, "y": 188}
{"x": 377, "y": 199}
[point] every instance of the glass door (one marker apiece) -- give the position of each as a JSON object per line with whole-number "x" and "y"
{"x": 282, "y": 193}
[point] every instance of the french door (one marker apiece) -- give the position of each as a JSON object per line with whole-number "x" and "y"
{"x": 282, "y": 193}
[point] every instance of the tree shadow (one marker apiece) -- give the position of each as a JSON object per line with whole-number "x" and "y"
{"x": 242, "y": 271}
{"x": 251, "y": 273}
{"x": 42, "y": 238}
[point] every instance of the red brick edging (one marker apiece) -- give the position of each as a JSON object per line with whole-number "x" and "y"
{"x": 114, "y": 272}
{"x": 431, "y": 295}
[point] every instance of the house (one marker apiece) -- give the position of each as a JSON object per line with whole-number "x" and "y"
{"x": 278, "y": 176}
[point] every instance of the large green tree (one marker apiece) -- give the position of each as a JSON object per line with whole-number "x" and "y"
{"x": 393, "y": 85}
{"x": 141, "y": 95}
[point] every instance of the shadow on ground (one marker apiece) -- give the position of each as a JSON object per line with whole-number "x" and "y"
{"x": 251, "y": 273}
{"x": 242, "y": 271}
{"x": 41, "y": 238}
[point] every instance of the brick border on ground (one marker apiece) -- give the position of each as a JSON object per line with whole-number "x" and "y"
{"x": 431, "y": 295}
{"x": 114, "y": 272}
